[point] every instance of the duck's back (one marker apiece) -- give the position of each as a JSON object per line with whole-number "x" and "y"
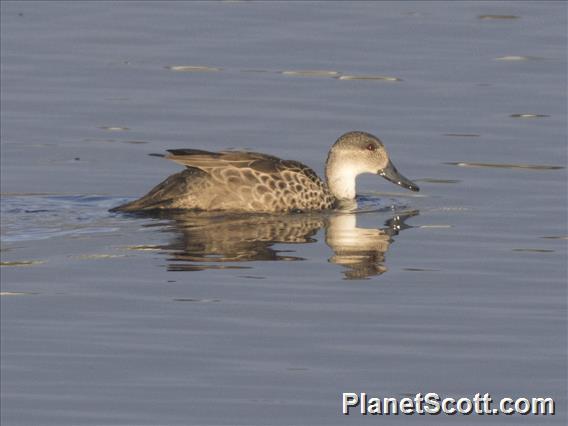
{"x": 236, "y": 181}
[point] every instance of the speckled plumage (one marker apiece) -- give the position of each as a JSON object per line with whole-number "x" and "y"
{"x": 254, "y": 182}
{"x": 237, "y": 181}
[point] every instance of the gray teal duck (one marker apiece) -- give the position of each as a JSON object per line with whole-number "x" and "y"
{"x": 254, "y": 182}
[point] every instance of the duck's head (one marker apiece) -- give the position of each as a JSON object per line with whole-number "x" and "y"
{"x": 355, "y": 153}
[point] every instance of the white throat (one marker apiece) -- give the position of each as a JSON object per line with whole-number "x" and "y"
{"x": 341, "y": 180}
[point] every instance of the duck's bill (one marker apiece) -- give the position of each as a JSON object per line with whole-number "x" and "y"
{"x": 391, "y": 173}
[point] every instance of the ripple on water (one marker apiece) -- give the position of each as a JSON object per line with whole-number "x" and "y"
{"x": 518, "y": 58}
{"x": 420, "y": 270}
{"x": 369, "y": 77}
{"x": 534, "y": 250}
{"x": 97, "y": 256}
{"x": 35, "y": 217}
{"x": 114, "y": 128}
{"x": 497, "y": 17}
{"x": 143, "y": 248}
{"x": 507, "y": 165}
{"x": 386, "y": 202}
{"x": 431, "y": 180}
{"x": 527, "y": 115}
{"x": 192, "y": 68}
{"x": 21, "y": 263}
{"x": 312, "y": 73}
{"x": 190, "y": 300}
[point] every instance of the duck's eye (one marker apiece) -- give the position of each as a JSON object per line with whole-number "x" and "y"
{"x": 371, "y": 147}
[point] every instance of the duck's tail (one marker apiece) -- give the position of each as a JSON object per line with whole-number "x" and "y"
{"x": 164, "y": 196}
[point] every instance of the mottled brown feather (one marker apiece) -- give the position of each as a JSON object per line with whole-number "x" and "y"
{"x": 238, "y": 181}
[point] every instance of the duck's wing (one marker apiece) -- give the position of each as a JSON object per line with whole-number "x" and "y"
{"x": 206, "y": 161}
{"x": 251, "y": 176}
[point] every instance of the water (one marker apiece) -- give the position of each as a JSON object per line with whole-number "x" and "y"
{"x": 259, "y": 319}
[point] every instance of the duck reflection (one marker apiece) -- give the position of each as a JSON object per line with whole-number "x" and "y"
{"x": 362, "y": 250}
{"x": 218, "y": 241}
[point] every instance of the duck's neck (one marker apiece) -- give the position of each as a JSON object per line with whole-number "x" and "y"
{"x": 341, "y": 179}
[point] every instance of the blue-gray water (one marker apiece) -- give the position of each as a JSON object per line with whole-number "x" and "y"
{"x": 110, "y": 319}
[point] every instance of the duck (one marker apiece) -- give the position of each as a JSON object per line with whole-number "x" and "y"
{"x": 242, "y": 181}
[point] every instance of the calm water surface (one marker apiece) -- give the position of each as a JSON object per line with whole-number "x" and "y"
{"x": 217, "y": 319}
